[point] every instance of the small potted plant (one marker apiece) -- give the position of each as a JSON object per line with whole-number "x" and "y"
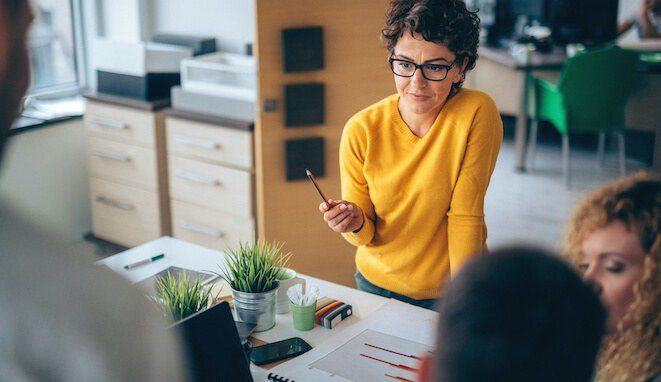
{"x": 252, "y": 272}
{"x": 179, "y": 297}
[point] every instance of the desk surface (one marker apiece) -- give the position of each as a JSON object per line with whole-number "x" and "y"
{"x": 538, "y": 61}
{"x": 191, "y": 256}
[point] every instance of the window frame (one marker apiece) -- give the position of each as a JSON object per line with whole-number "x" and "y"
{"x": 79, "y": 60}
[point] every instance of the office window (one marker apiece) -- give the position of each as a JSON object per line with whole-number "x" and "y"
{"x": 52, "y": 46}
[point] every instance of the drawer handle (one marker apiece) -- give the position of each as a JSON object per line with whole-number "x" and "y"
{"x": 110, "y": 123}
{"x": 202, "y": 143}
{"x": 204, "y": 230}
{"x": 197, "y": 178}
{"x": 111, "y": 156}
{"x": 114, "y": 203}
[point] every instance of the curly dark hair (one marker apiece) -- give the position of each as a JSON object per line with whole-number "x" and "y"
{"x": 446, "y": 22}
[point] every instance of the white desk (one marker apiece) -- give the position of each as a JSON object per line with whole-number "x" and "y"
{"x": 177, "y": 253}
{"x": 414, "y": 321}
{"x": 191, "y": 256}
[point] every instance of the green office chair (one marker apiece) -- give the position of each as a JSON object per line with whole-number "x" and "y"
{"x": 590, "y": 97}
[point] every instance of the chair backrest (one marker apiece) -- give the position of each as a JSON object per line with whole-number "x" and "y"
{"x": 595, "y": 86}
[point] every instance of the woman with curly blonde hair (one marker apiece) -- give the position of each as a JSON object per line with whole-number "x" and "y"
{"x": 614, "y": 240}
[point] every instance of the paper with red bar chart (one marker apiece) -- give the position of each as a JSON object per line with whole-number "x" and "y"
{"x": 374, "y": 356}
{"x": 385, "y": 346}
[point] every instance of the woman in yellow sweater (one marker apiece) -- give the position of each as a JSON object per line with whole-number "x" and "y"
{"x": 415, "y": 166}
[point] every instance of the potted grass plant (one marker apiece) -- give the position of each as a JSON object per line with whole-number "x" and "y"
{"x": 252, "y": 272}
{"x": 179, "y": 297}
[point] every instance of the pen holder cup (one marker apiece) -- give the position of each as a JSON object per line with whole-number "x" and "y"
{"x": 303, "y": 316}
{"x": 286, "y": 279}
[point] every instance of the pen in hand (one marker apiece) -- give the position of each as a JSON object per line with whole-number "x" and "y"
{"x": 346, "y": 217}
{"x": 145, "y": 261}
{"x": 321, "y": 193}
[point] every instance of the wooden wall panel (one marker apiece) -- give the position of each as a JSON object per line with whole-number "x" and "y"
{"x": 355, "y": 75}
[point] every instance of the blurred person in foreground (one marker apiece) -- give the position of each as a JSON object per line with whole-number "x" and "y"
{"x": 519, "y": 314}
{"x": 61, "y": 317}
{"x": 614, "y": 239}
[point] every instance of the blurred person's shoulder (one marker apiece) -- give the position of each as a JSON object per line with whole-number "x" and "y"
{"x": 30, "y": 256}
{"x": 70, "y": 319}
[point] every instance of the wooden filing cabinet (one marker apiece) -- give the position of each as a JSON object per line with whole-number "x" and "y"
{"x": 211, "y": 167}
{"x": 127, "y": 169}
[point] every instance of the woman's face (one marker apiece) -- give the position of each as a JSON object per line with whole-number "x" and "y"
{"x": 613, "y": 261}
{"x": 417, "y": 94}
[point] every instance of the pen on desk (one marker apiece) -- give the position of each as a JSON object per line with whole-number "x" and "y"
{"x": 145, "y": 261}
{"x": 309, "y": 174}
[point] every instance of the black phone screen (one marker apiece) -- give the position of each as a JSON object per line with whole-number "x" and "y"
{"x": 279, "y": 350}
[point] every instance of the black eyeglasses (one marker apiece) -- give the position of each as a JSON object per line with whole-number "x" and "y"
{"x": 431, "y": 72}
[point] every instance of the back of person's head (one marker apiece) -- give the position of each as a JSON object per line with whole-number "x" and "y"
{"x": 518, "y": 314}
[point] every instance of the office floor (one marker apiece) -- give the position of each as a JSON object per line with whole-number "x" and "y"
{"x": 534, "y": 207}
{"x": 531, "y": 207}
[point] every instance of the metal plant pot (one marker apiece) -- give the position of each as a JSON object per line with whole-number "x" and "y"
{"x": 256, "y": 308}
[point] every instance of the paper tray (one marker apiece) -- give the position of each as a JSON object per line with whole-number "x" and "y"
{"x": 225, "y": 75}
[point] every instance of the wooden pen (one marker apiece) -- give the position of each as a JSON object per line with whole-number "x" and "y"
{"x": 321, "y": 193}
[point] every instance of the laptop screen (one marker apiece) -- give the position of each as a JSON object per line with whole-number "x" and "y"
{"x": 214, "y": 348}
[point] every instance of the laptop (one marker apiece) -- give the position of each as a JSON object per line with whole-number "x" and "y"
{"x": 213, "y": 346}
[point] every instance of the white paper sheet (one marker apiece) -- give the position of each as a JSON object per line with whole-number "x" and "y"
{"x": 396, "y": 326}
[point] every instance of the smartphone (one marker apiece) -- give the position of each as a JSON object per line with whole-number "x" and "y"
{"x": 276, "y": 351}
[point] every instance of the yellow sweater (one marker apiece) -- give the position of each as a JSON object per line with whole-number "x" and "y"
{"x": 422, "y": 198}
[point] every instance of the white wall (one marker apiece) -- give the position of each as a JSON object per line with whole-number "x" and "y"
{"x": 231, "y": 22}
{"x": 121, "y": 19}
{"x": 44, "y": 176}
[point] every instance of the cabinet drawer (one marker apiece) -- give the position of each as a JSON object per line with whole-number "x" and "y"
{"x": 211, "y": 186}
{"x": 120, "y": 123}
{"x": 125, "y": 163}
{"x": 209, "y": 143}
{"x": 210, "y": 228}
{"x": 122, "y": 214}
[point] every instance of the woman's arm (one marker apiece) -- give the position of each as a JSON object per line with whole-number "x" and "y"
{"x": 354, "y": 184}
{"x": 466, "y": 229}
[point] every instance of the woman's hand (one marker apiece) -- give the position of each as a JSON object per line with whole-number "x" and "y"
{"x": 342, "y": 216}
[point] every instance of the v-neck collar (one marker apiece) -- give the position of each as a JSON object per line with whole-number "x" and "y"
{"x": 404, "y": 129}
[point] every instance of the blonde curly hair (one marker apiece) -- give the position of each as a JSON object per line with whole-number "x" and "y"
{"x": 633, "y": 353}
